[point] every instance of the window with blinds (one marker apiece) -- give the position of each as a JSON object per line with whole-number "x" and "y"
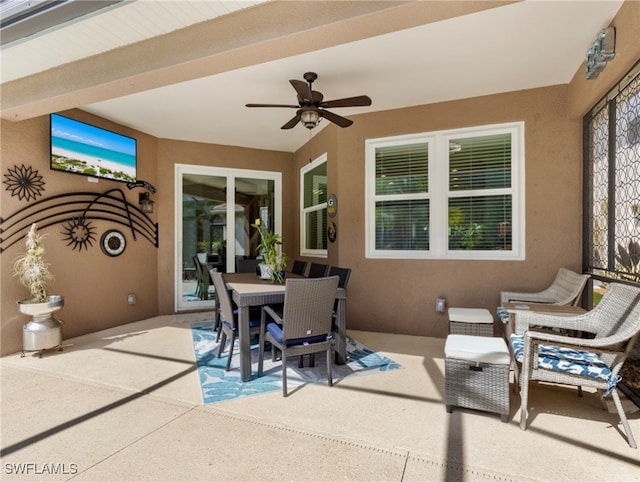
{"x": 313, "y": 223}
{"x": 447, "y": 194}
{"x": 480, "y": 193}
{"x": 402, "y": 197}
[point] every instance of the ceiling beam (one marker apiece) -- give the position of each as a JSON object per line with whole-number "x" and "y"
{"x": 263, "y": 33}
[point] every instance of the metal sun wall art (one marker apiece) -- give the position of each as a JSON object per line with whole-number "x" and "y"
{"x": 79, "y": 233}
{"x": 75, "y": 212}
{"x": 24, "y": 182}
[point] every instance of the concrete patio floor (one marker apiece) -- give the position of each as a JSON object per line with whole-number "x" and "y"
{"x": 125, "y": 404}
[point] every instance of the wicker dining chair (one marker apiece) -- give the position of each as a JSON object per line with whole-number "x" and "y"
{"x": 305, "y": 324}
{"x": 566, "y": 289}
{"x": 572, "y": 360}
{"x": 247, "y": 265}
{"x": 203, "y": 279}
{"x": 229, "y": 317}
{"x": 344, "y": 274}
{"x": 299, "y": 267}
{"x": 317, "y": 270}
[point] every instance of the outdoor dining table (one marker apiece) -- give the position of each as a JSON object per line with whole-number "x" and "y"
{"x": 248, "y": 290}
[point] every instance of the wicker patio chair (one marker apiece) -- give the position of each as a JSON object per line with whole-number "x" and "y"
{"x": 572, "y": 360}
{"x": 305, "y": 324}
{"x": 229, "y": 317}
{"x": 566, "y": 289}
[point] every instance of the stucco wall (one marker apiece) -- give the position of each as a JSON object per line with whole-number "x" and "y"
{"x": 95, "y": 286}
{"x": 399, "y": 295}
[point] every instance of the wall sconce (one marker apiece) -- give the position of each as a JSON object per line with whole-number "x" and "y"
{"x": 601, "y": 51}
{"x": 146, "y": 204}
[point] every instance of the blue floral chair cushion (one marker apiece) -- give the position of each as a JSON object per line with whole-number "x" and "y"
{"x": 563, "y": 359}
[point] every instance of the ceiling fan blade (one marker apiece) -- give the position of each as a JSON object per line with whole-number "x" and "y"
{"x": 274, "y": 105}
{"x": 335, "y": 118}
{"x": 303, "y": 90}
{"x": 292, "y": 123}
{"x": 358, "y": 101}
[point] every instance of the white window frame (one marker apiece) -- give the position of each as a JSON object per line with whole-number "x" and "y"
{"x": 314, "y": 253}
{"x": 439, "y": 194}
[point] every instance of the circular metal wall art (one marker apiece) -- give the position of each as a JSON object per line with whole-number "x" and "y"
{"x": 79, "y": 232}
{"x": 332, "y": 232}
{"x": 24, "y": 182}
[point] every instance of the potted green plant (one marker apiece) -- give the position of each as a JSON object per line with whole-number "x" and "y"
{"x": 31, "y": 269}
{"x": 217, "y": 247}
{"x": 274, "y": 259}
{"x": 203, "y": 251}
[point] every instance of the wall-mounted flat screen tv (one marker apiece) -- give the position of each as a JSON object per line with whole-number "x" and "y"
{"x": 84, "y": 149}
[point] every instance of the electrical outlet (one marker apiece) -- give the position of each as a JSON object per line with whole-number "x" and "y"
{"x": 131, "y": 298}
{"x": 440, "y": 304}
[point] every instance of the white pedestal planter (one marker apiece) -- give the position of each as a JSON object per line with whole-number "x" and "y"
{"x": 43, "y": 331}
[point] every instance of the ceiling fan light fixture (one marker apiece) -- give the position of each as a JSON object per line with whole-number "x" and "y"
{"x": 309, "y": 118}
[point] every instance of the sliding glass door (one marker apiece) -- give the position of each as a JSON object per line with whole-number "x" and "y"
{"x": 215, "y": 209}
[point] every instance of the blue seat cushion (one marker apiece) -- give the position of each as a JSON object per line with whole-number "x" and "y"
{"x": 503, "y": 314}
{"x": 253, "y": 322}
{"x": 275, "y": 331}
{"x": 564, "y": 359}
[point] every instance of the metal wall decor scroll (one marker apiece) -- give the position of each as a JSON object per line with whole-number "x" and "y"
{"x": 75, "y": 212}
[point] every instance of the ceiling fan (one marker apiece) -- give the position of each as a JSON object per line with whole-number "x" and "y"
{"x": 311, "y": 106}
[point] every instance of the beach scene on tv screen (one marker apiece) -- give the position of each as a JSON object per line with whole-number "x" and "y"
{"x": 85, "y": 149}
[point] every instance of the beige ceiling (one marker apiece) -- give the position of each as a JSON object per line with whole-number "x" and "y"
{"x": 185, "y": 69}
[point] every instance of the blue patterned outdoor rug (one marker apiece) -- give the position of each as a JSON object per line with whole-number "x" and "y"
{"x": 219, "y": 385}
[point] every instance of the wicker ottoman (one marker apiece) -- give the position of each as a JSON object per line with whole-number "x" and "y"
{"x": 470, "y": 321}
{"x": 476, "y": 372}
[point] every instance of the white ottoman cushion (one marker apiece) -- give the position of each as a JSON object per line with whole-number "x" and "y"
{"x": 481, "y": 349}
{"x": 470, "y": 315}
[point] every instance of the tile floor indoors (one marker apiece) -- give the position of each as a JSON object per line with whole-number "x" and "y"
{"x": 125, "y": 404}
